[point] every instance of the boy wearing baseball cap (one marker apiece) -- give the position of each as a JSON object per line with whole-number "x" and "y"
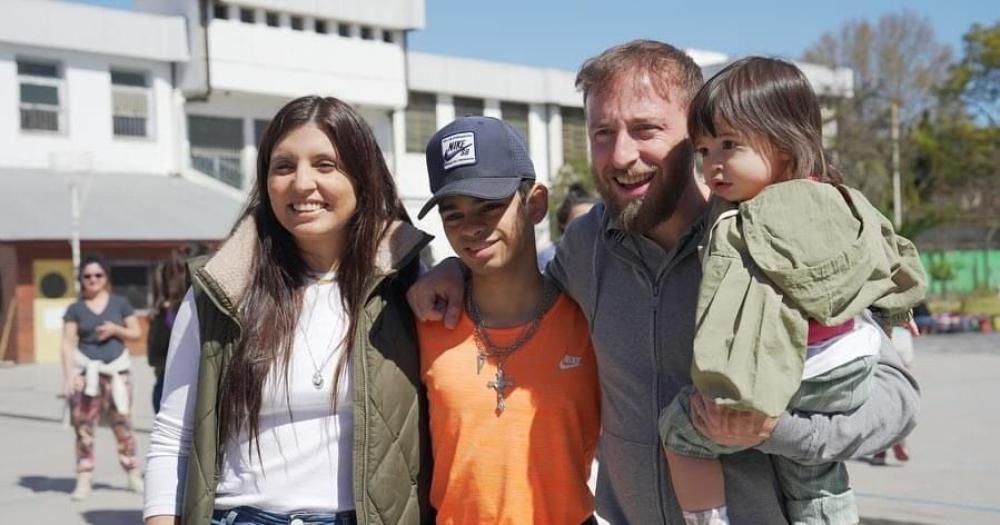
{"x": 513, "y": 392}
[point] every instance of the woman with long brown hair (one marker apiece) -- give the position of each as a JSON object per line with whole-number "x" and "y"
{"x": 292, "y": 387}
{"x": 170, "y": 283}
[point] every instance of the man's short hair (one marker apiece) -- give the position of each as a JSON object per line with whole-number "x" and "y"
{"x": 672, "y": 71}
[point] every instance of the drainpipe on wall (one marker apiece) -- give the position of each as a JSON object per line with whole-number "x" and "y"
{"x": 176, "y": 139}
{"x": 204, "y": 16}
{"x": 400, "y": 150}
{"x": 406, "y": 61}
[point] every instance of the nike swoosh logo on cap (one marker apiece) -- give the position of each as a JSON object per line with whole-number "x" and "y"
{"x": 452, "y": 153}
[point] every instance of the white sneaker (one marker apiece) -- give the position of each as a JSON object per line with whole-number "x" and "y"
{"x": 135, "y": 483}
{"x": 83, "y": 486}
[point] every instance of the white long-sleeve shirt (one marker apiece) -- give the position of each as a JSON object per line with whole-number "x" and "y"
{"x": 305, "y": 459}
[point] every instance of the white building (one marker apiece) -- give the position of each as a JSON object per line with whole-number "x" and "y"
{"x": 175, "y": 93}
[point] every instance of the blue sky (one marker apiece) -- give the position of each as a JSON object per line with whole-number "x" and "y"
{"x": 562, "y": 33}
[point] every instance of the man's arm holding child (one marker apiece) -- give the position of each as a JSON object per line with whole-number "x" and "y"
{"x": 885, "y": 418}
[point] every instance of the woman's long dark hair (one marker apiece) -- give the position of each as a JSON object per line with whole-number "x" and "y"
{"x": 171, "y": 279}
{"x": 269, "y": 311}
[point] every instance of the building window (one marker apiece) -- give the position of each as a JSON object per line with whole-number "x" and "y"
{"x": 468, "y": 106}
{"x": 297, "y": 23}
{"x": 344, "y": 30}
{"x": 574, "y": 134}
{"x": 41, "y": 95}
{"x": 271, "y": 18}
{"x": 247, "y": 15}
{"x": 215, "y": 147}
{"x": 129, "y": 104}
{"x": 321, "y": 27}
{"x": 421, "y": 121}
{"x": 517, "y": 116}
{"x": 388, "y": 36}
{"x": 220, "y": 11}
{"x": 132, "y": 281}
{"x": 367, "y": 33}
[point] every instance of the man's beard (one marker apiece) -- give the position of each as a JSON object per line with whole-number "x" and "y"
{"x": 638, "y": 216}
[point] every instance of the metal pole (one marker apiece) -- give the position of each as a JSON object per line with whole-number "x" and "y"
{"x": 897, "y": 196}
{"x": 74, "y": 206}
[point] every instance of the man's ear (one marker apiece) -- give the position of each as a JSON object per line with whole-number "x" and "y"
{"x": 538, "y": 203}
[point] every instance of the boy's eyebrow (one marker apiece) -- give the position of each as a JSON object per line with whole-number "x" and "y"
{"x": 476, "y": 201}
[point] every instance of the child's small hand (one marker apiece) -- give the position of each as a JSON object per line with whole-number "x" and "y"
{"x": 730, "y": 427}
{"x": 913, "y": 328}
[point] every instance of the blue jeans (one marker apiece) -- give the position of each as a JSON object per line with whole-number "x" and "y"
{"x": 255, "y": 516}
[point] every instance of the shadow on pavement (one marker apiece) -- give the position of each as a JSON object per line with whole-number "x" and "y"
{"x": 112, "y": 517}
{"x": 64, "y": 485}
{"x": 875, "y": 463}
{"x": 880, "y": 521}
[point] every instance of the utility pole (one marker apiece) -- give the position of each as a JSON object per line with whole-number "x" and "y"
{"x": 78, "y": 166}
{"x": 897, "y": 193}
{"x": 74, "y": 241}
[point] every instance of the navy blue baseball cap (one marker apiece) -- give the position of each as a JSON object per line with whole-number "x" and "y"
{"x": 480, "y": 157}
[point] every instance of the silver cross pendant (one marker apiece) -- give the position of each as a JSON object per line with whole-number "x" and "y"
{"x": 500, "y": 384}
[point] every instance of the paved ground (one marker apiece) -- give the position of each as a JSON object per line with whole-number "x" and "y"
{"x": 36, "y": 467}
{"x": 953, "y": 478}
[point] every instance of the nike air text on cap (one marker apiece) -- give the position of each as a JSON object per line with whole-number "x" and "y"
{"x": 480, "y": 157}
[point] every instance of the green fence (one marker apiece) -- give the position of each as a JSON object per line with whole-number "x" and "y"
{"x": 970, "y": 270}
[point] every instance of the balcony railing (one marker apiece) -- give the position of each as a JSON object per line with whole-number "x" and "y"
{"x": 218, "y": 163}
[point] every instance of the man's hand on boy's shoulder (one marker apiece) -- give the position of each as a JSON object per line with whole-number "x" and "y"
{"x": 438, "y": 295}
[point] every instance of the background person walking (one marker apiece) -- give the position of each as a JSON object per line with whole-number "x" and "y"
{"x": 96, "y": 378}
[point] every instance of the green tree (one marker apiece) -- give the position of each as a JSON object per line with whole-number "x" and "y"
{"x": 956, "y": 160}
{"x": 943, "y": 272}
{"x": 574, "y": 171}
{"x": 895, "y": 60}
{"x": 975, "y": 80}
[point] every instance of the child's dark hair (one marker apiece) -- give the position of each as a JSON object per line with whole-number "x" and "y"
{"x": 769, "y": 99}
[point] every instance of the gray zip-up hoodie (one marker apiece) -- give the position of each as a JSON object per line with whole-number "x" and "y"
{"x": 640, "y": 304}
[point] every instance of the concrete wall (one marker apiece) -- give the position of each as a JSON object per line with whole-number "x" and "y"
{"x": 394, "y": 14}
{"x": 85, "y": 28}
{"x": 264, "y": 60}
{"x": 86, "y": 102}
{"x": 491, "y": 80}
{"x": 397, "y": 14}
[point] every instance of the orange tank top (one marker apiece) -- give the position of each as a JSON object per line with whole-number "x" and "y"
{"x": 530, "y": 463}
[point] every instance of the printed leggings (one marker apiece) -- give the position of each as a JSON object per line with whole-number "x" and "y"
{"x": 87, "y": 411}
